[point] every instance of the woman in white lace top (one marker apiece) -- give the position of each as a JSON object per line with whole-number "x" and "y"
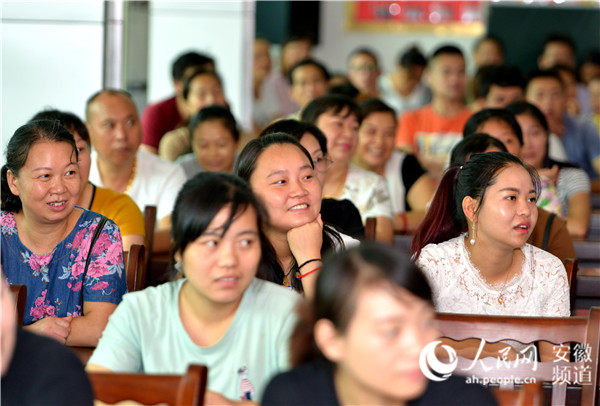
{"x": 472, "y": 243}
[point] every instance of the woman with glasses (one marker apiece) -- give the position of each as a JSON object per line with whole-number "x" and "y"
{"x": 410, "y": 187}
{"x": 281, "y": 173}
{"x": 342, "y": 214}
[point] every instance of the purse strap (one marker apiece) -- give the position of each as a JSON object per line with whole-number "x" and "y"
{"x": 97, "y": 232}
{"x": 547, "y": 231}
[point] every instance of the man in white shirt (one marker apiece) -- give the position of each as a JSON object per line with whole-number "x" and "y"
{"x": 118, "y": 163}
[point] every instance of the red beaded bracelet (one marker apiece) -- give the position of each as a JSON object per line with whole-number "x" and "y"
{"x": 300, "y": 276}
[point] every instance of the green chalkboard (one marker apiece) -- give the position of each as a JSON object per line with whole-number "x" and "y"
{"x": 523, "y": 28}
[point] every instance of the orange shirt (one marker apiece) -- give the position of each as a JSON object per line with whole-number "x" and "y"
{"x": 432, "y": 136}
{"x": 428, "y": 121}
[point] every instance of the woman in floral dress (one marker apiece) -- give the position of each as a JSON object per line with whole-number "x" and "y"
{"x": 46, "y": 239}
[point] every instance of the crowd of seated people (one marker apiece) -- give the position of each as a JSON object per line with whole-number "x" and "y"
{"x": 274, "y": 286}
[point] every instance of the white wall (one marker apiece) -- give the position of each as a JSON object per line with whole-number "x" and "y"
{"x": 336, "y": 43}
{"x": 221, "y": 29}
{"x": 52, "y": 56}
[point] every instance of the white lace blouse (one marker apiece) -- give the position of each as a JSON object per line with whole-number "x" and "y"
{"x": 541, "y": 288}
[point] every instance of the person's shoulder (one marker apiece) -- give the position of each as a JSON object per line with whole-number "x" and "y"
{"x": 112, "y": 198}
{"x": 539, "y": 255}
{"x": 418, "y": 113}
{"x": 455, "y": 391}
{"x": 368, "y": 176}
{"x": 153, "y": 296}
{"x": 165, "y": 104}
{"x": 290, "y": 387}
{"x": 154, "y": 165}
{"x": 452, "y": 245}
{"x": 269, "y": 295}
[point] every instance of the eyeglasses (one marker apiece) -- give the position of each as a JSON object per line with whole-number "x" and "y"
{"x": 322, "y": 163}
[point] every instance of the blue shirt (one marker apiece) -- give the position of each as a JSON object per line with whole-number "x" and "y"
{"x": 54, "y": 280}
{"x": 582, "y": 143}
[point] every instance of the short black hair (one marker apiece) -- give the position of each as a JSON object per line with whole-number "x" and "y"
{"x": 188, "y": 60}
{"x": 296, "y": 129}
{"x": 68, "y": 120}
{"x": 305, "y": 62}
{"x": 558, "y": 37}
{"x": 216, "y": 113}
{"x": 544, "y": 74}
{"x": 363, "y": 51}
{"x": 473, "y": 144}
{"x": 491, "y": 38}
{"x": 446, "y": 50}
{"x": 373, "y": 105}
{"x": 344, "y": 89}
{"x": 197, "y": 72}
{"x": 329, "y": 102}
{"x": 411, "y": 58}
{"x": 483, "y": 116}
{"x": 503, "y": 76}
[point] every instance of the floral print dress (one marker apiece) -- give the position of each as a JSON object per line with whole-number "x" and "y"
{"x": 54, "y": 280}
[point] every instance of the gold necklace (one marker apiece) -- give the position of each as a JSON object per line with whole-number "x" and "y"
{"x": 132, "y": 176}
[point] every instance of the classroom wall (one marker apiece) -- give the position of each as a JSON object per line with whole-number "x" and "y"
{"x": 223, "y": 30}
{"x": 52, "y": 56}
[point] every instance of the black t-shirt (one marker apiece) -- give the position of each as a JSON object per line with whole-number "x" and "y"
{"x": 312, "y": 384}
{"x": 343, "y": 216}
{"x": 44, "y": 372}
{"x": 410, "y": 172}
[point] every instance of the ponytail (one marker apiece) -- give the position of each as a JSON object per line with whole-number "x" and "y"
{"x": 10, "y": 202}
{"x": 442, "y": 221}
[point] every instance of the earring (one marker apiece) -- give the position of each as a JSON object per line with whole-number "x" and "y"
{"x": 472, "y": 240}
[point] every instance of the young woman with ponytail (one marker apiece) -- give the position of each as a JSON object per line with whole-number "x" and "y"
{"x": 472, "y": 244}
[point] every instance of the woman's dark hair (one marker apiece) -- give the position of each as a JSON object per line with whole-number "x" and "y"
{"x": 199, "y": 201}
{"x": 296, "y": 129}
{"x": 244, "y": 167}
{"x": 478, "y": 120}
{"x": 373, "y": 105}
{"x": 68, "y": 120}
{"x": 473, "y": 144}
{"x": 333, "y": 103}
{"x": 215, "y": 113}
{"x": 411, "y": 58}
{"x": 343, "y": 277}
{"x": 18, "y": 148}
{"x": 445, "y": 218}
{"x": 187, "y": 83}
{"x": 307, "y": 62}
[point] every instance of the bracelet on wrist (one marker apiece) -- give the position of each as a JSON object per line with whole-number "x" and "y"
{"x": 299, "y": 276}
{"x": 308, "y": 262}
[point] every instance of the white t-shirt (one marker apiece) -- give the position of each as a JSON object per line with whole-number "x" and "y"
{"x": 540, "y": 290}
{"x": 156, "y": 182}
{"x": 369, "y": 193}
{"x": 570, "y": 182}
{"x": 145, "y": 334}
{"x": 418, "y": 98}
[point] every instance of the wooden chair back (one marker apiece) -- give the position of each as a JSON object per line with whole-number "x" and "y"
{"x": 529, "y": 394}
{"x": 558, "y": 331}
{"x": 148, "y": 389}
{"x": 370, "y": 228}
{"x": 135, "y": 267}
{"x": 571, "y": 266}
{"x": 149, "y": 225}
{"x": 20, "y": 292}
